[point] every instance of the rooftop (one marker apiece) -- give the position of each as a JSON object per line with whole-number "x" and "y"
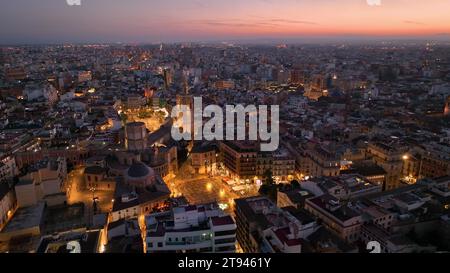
{"x": 25, "y": 218}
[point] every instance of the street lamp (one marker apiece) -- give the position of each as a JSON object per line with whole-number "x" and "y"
{"x": 93, "y": 193}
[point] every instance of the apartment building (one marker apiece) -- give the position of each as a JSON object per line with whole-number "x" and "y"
{"x": 340, "y": 219}
{"x": 239, "y": 158}
{"x": 194, "y": 228}
{"x": 262, "y": 227}
{"x": 44, "y": 181}
{"x": 321, "y": 161}
{"x": 390, "y": 156}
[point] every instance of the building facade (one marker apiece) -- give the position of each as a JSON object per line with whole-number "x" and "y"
{"x": 202, "y": 228}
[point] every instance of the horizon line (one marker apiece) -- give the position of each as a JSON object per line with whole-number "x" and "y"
{"x": 440, "y": 37}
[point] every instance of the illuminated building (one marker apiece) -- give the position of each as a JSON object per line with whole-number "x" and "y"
{"x": 370, "y": 171}
{"x": 8, "y": 168}
{"x": 149, "y": 92}
{"x": 84, "y": 76}
{"x": 320, "y": 161}
{"x": 135, "y": 102}
{"x": 96, "y": 177}
{"x": 224, "y": 84}
{"x": 8, "y": 203}
{"x": 199, "y": 228}
{"x": 343, "y": 187}
{"x": 390, "y": 158}
{"x": 447, "y": 107}
{"x": 280, "y": 163}
{"x": 433, "y": 161}
{"x": 239, "y": 158}
{"x": 140, "y": 192}
{"x": 316, "y": 88}
{"x": 203, "y": 158}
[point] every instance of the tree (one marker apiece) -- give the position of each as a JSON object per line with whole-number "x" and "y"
{"x": 268, "y": 177}
{"x": 295, "y": 184}
{"x": 264, "y": 189}
{"x": 269, "y": 188}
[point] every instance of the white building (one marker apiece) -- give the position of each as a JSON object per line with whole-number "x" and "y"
{"x": 202, "y": 228}
{"x": 45, "y": 92}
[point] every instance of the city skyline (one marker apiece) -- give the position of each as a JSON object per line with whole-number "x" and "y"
{"x": 137, "y": 21}
{"x": 252, "y": 127}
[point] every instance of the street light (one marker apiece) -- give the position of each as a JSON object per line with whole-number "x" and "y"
{"x": 405, "y": 157}
{"x": 93, "y": 192}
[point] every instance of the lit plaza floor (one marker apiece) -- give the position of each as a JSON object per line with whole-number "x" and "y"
{"x": 77, "y": 194}
{"x": 201, "y": 189}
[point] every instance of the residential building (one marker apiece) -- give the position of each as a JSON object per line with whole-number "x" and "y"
{"x": 262, "y": 227}
{"x": 44, "y": 182}
{"x": 200, "y": 228}
{"x": 341, "y": 219}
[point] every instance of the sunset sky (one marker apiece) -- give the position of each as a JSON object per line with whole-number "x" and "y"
{"x": 42, "y": 21}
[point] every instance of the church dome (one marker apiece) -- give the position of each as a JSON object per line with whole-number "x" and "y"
{"x": 140, "y": 175}
{"x": 139, "y": 170}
